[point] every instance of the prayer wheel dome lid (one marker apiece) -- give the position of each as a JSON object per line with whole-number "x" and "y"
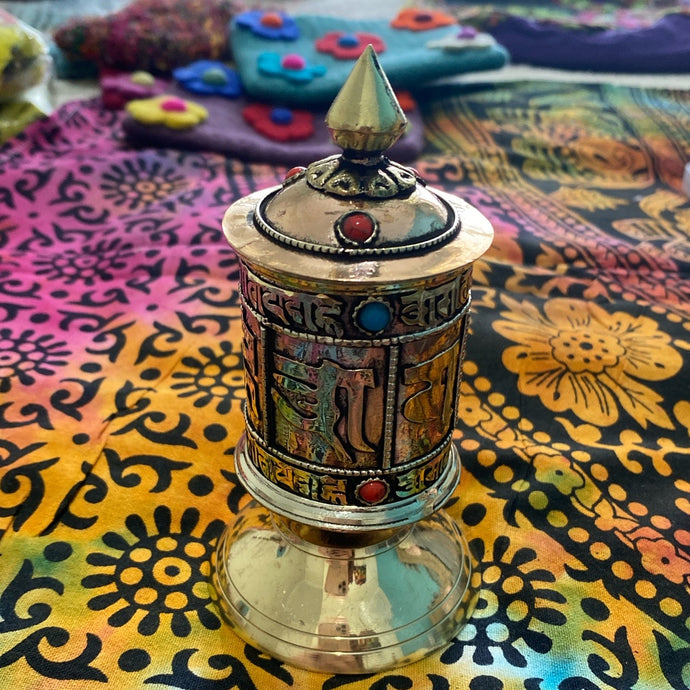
{"x": 359, "y": 204}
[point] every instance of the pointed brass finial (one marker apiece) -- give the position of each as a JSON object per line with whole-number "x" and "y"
{"x": 365, "y": 118}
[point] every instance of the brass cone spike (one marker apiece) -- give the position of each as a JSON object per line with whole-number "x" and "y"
{"x": 365, "y": 116}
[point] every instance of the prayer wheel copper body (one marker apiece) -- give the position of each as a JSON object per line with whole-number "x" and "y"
{"x": 355, "y": 283}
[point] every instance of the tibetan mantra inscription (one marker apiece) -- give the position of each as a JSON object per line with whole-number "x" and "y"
{"x": 346, "y": 390}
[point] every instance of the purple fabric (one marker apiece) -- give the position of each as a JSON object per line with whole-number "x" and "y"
{"x": 663, "y": 47}
{"x": 226, "y": 132}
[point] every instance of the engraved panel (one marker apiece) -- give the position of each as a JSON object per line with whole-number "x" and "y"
{"x": 429, "y": 374}
{"x": 252, "y": 352}
{"x": 328, "y": 402}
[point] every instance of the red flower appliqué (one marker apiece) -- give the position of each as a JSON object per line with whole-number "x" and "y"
{"x": 421, "y": 20}
{"x": 348, "y": 46}
{"x": 279, "y": 124}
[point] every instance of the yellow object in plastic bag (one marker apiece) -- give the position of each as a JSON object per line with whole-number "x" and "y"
{"x": 25, "y": 70}
{"x": 24, "y": 58}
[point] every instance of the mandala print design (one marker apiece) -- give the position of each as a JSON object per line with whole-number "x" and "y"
{"x": 577, "y": 356}
{"x": 160, "y": 575}
{"x": 511, "y": 606}
{"x": 26, "y": 355}
{"x": 214, "y": 378}
{"x": 90, "y": 265}
{"x": 138, "y": 183}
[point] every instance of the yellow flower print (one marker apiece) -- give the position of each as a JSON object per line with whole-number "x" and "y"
{"x": 558, "y": 471}
{"x": 576, "y": 356}
{"x": 471, "y": 410}
{"x": 661, "y": 557}
{"x": 169, "y": 111}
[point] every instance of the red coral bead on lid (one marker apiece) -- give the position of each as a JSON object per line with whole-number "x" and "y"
{"x": 174, "y": 105}
{"x": 294, "y": 171}
{"x": 357, "y": 227}
{"x": 373, "y": 491}
{"x": 272, "y": 19}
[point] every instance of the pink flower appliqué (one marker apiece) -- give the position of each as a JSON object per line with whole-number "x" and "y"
{"x": 118, "y": 88}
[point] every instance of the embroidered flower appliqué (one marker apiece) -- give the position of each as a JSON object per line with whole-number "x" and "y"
{"x": 276, "y": 26}
{"x": 421, "y": 20}
{"x": 118, "y": 88}
{"x": 292, "y": 67}
{"x": 465, "y": 38}
{"x": 279, "y": 124}
{"x": 348, "y": 46}
{"x": 209, "y": 77}
{"x": 169, "y": 111}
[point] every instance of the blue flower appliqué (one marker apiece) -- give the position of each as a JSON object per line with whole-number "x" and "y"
{"x": 292, "y": 67}
{"x": 209, "y": 78}
{"x": 276, "y": 26}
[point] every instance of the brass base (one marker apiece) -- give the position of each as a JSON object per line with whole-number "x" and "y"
{"x": 343, "y": 603}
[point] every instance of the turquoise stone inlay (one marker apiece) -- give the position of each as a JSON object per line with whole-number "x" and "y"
{"x": 374, "y": 316}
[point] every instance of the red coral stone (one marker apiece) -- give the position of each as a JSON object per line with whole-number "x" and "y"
{"x": 373, "y": 491}
{"x": 294, "y": 171}
{"x": 357, "y": 227}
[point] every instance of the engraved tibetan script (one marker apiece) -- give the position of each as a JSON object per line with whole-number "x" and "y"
{"x": 434, "y": 386}
{"x": 317, "y": 314}
{"x": 432, "y": 306}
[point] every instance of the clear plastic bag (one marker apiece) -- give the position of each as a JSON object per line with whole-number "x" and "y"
{"x": 25, "y": 60}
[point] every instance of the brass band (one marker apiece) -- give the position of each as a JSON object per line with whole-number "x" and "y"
{"x": 414, "y": 309}
{"x": 340, "y": 487}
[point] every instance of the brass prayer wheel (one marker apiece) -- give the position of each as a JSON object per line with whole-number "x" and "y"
{"x": 355, "y": 283}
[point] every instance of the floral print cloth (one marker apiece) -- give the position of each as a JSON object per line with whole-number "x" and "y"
{"x": 121, "y": 392}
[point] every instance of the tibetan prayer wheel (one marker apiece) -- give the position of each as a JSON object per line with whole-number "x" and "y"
{"x": 355, "y": 284}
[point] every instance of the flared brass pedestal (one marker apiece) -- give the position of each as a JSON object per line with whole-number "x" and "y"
{"x": 336, "y": 603}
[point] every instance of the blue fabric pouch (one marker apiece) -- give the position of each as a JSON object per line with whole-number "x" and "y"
{"x": 409, "y": 58}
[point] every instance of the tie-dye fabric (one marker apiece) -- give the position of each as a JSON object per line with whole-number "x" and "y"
{"x": 121, "y": 393}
